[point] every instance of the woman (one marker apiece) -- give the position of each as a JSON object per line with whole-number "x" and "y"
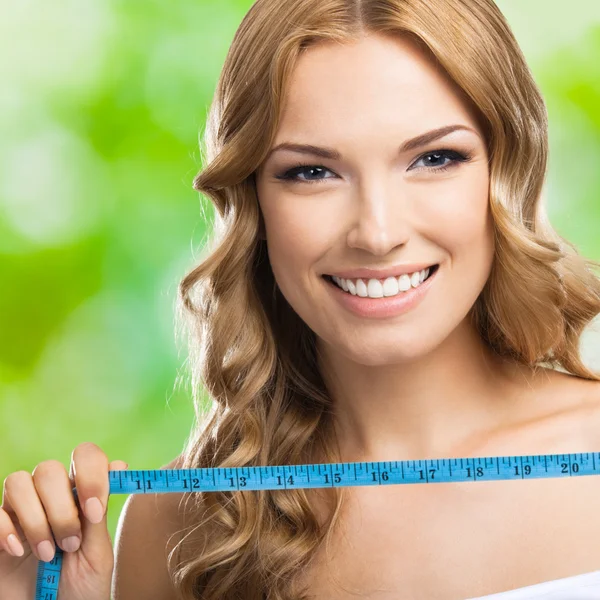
{"x": 394, "y": 292}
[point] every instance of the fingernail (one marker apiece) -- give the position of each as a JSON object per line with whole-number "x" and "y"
{"x": 71, "y": 544}
{"x": 15, "y": 545}
{"x": 45, "y": 551}
{"x": 94, "y": 510}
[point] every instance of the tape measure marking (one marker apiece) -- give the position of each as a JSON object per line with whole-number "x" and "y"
{"x": 226, "y": 479}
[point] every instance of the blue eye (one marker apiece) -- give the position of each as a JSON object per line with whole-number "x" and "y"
{"x": 454, "y": 158}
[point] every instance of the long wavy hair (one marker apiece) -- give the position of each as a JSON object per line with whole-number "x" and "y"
{"x": 259, "y": 397}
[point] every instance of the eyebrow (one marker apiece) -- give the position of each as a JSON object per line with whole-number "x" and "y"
{"x": 412, "y": 144}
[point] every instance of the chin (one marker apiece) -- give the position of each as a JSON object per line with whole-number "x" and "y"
{"x": 404, "y": 349}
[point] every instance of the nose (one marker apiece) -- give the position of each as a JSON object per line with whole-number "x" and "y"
{"x": 380, "y": 221}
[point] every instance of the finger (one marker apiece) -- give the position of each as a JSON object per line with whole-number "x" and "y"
{"x": 21, "y": 499}
{"x": 90, "y": 473}
{"x": 54, "y": 490}
{"x": 8, "y": 509}
{"x": 117, "y": 465}
{"x": 10, "y": 544}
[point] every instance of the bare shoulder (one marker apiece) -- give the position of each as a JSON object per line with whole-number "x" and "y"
{"x": 580, "y": 399}
{"x": 565, "y": 412}
{"x": 143, "y": 541}
{"x": 592, "y": 412}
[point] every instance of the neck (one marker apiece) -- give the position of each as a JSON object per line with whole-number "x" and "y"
{"x": 430, "y": 407}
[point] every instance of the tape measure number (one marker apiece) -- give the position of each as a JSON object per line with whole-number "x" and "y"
{"x": 443, "y": 470}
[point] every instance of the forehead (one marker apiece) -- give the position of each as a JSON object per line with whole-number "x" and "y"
{"x": 378, "y": 83}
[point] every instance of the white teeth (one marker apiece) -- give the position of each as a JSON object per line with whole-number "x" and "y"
{"x": 404, "y": 283}
{"x": 390, "y": 286}
{"x": 361, "y": 288}
{"x": 374, "y": 288}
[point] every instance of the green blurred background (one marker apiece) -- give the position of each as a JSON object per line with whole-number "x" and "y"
{"x": 101, "y": 104}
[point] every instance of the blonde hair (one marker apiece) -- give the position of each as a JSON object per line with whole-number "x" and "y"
{"x": 253, "y": 355}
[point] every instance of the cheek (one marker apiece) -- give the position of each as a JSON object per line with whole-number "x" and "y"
{"x": 462, "y": 218}
{"x": 294, "y": 245}
{"x": 299, "y": 231}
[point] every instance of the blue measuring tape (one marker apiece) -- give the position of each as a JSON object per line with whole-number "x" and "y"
{"x": 323, "y": 475}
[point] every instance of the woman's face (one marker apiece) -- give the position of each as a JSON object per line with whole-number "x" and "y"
{"x": 377, "y": 204}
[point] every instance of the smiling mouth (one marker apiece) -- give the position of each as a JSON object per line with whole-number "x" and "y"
{"x": 330, "y": 279}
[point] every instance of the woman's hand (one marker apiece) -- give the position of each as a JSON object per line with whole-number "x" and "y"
{"x": 40, "y": 505}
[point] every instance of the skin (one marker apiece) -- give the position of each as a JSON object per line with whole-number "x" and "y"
{"x": 422, "y": 384}
{"x": 39, "y": 505}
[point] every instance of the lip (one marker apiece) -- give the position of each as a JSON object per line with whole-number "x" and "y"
{"x": 381, "y": 308}
{"x": 382, "y": 273}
